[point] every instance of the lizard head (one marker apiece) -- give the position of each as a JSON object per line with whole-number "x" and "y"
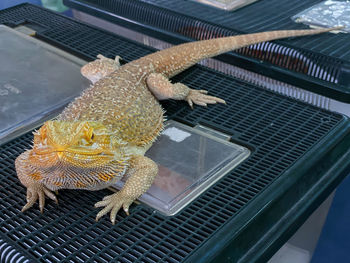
{"x": 81, "y": 143}
{"x": 78, "y": 154}
{"x": 100, "y": 68}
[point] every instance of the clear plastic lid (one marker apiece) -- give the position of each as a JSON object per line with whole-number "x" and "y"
{"x": 189, "y": 161}
{"x": 36, "y": 82}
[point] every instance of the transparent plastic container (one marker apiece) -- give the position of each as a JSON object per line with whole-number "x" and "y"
{"x": 36, "y": 82}
{"x": 190, "y": 160}
{"x": 326, "y": 14}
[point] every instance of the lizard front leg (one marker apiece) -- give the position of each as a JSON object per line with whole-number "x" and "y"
{"x": 31, "y": 179}
{"x": 162, "y": 89}
{"x": 141, "y": 173}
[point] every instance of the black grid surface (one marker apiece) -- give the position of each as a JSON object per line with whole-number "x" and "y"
{"x": 278, "y": 129}
{"x": 325, "y": 59}
{"x": 262, "y": 15}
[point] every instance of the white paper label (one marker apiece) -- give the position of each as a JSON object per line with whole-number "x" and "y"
{"x": 176, "y": 134}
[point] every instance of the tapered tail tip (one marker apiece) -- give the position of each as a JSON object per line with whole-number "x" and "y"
{"x": 335, "y": 29}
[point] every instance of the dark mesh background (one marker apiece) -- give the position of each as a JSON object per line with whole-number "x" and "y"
{"x": 280, "y": 130}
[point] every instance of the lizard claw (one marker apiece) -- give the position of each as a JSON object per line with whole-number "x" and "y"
{"x": 38, "y": 192}
{"x": 112, "y": 204}
{"x": 201, "y": 98}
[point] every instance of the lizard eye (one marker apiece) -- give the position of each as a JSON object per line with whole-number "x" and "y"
{"x": 89, "y": 134}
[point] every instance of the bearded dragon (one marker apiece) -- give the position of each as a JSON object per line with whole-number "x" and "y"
{"x": 104, "y": 133}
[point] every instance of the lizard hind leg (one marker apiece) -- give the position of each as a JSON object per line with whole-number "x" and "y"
{"x": 162, "y": 89}
{"x": 142, "y": 172}
{"x": 100, "y": 68}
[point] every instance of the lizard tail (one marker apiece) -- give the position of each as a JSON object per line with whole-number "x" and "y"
{"x": 174, "y": 60}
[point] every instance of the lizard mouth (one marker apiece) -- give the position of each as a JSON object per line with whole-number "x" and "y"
{"x": 84, "y": 159}
{"x": 46, "y": 158}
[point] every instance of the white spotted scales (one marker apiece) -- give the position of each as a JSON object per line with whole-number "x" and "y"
{"x": 103, "y": 134}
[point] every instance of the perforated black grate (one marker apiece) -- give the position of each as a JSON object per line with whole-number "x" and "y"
{"x": 278, "y": 129}
{"x": 325, "y": 57}
{"x": 260, "y": 16}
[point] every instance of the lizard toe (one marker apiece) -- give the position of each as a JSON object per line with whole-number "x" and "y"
{"x": 104, "y": 211}
{"x": 126, "y": 207}
{"x": 102, "y": 203}
{"x": 31, "y": 201}
{"x": 114, "y": 211}
{"x": 38, "y": 192}
{"x": 107, "y": 197}
{"x": 113, "y": 203}
{"x": 41, "y": 196}
{"x": 203, "y": 91}
{"x": 201, "y": 98}
{"x": 190, "y": 102}
{"x": 29, "y": 195}
{"x": 50, "y": 195}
